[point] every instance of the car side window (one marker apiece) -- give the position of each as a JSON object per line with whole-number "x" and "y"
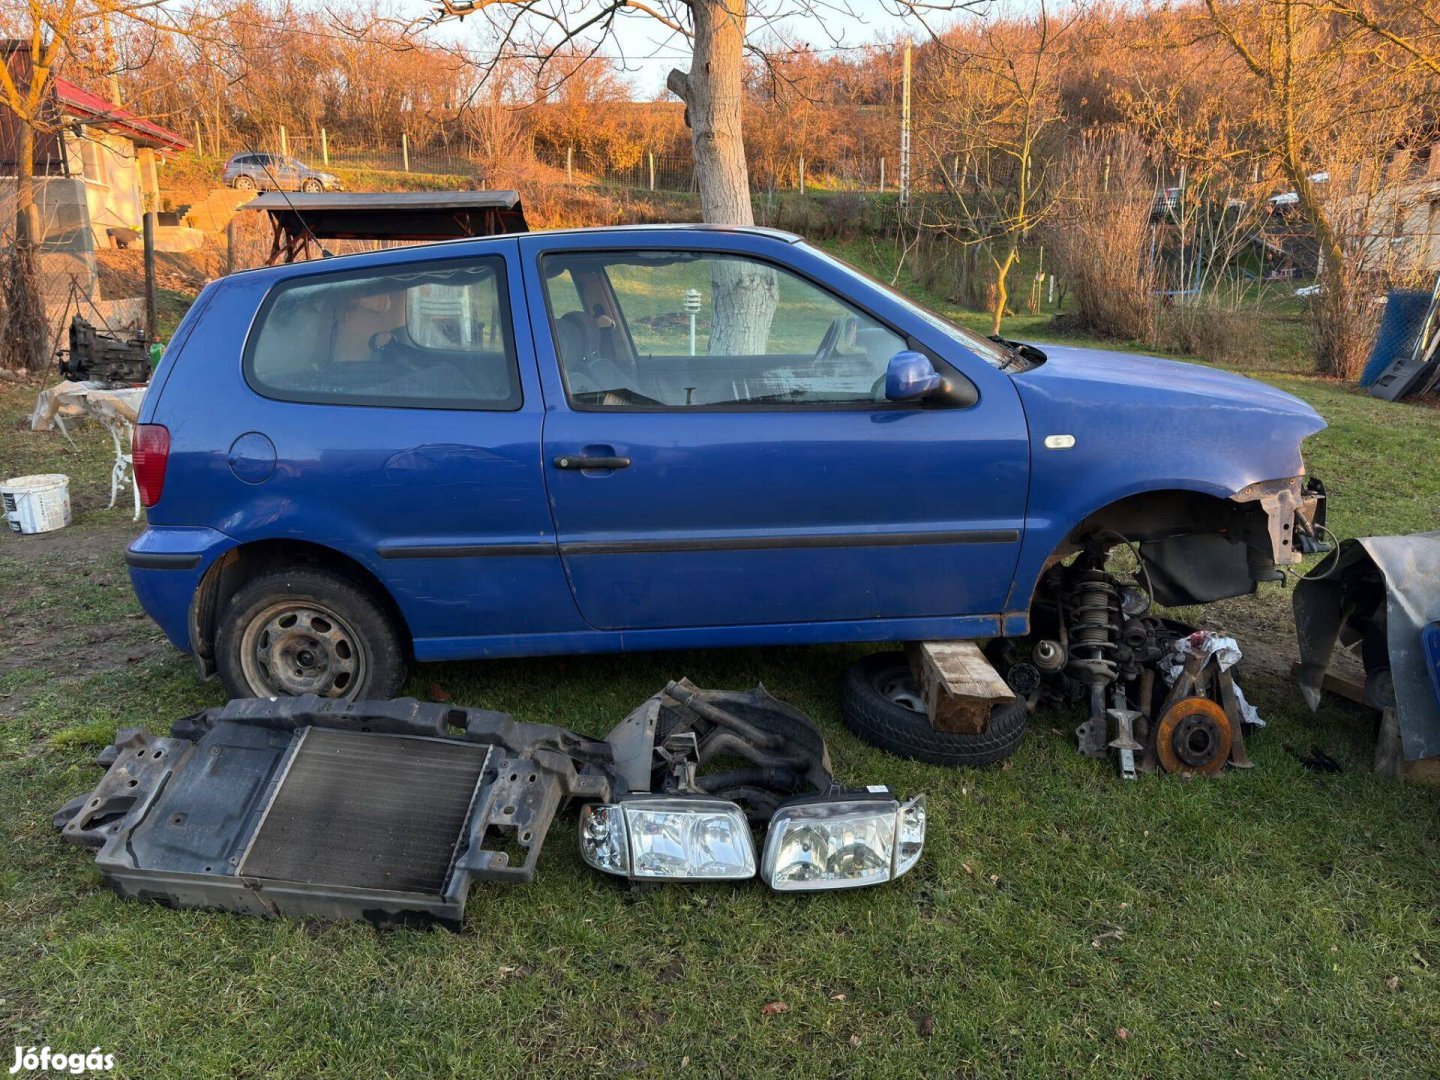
{"x": 668, "y": 329}
{"x": 420, "y": 335}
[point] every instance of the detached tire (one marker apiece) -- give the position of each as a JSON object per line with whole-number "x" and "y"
{"x": 872, "y": 704}
{"x": 304, "y": 630}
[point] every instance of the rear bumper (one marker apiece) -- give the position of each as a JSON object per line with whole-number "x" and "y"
{"x": 166, "y": 565}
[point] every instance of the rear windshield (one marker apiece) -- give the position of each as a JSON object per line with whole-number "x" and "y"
{"x": 418, "y": 336}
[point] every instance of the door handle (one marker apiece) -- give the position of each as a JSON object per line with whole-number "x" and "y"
{"x": 583, "y": 461}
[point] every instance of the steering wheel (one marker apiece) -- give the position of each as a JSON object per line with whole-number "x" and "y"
{"x": 844, "y": 329}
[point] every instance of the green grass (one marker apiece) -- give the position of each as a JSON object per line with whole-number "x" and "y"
{"x": 1268, "y": 923}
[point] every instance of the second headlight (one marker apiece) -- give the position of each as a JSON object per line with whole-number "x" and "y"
{"x": 842, "y": 843}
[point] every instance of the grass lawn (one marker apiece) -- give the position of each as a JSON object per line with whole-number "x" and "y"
{"x": 1269, "y": 923}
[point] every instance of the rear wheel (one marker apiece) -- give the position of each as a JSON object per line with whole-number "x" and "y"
{"x": 244, "y": 183}
{"x": 880, "y": 702}
{"x": 305, "y": 630}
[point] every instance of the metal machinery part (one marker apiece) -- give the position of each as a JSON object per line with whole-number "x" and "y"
{"x": 1099, "y": 645}
{"x": 1193, "y": 736}
{"x": 98, "y": 357}
{"x": 388, "y": 811}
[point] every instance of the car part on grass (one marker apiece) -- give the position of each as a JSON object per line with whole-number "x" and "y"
{"x": 96, "y": 356}
{"x": 1099, "y": 646}
{"x": 1193, "y": 735}
{"x": 389, "y": 811}
{"x": 880, "y": 702}
{"x": 1378, "y": 594}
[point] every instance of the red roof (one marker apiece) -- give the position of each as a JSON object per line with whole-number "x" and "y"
{"x": 92, "y": 108}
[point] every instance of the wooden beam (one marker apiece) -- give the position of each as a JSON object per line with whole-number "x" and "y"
{"x": 1340, "y": 685}
{"x": 957, "y": 684}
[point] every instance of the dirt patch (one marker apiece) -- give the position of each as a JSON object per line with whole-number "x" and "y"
{"x": 67, "y": 610}
{"x": 122, "y": 271}
{"x": 1264, "y": 627}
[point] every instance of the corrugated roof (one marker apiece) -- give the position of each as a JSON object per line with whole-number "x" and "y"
{"x": 92, "y": 108}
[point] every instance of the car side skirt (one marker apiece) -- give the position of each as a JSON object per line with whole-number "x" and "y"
{"x": 717, "y": 637}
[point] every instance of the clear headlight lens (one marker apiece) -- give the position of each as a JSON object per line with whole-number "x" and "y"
{"x": 677, "y": 838}
{"x": 842, "y": 844}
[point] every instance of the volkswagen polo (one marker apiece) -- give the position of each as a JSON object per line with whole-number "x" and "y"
{"x": 653, "y": 437}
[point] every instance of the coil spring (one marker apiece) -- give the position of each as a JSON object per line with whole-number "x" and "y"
{"x": 1094, "y": 602}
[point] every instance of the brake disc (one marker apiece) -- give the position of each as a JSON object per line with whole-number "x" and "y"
{"x": 1193, "y": 736}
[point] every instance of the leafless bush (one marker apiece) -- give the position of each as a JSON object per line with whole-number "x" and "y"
{"x": 1101, "y": 238}
{"x": 1211, "y": 332}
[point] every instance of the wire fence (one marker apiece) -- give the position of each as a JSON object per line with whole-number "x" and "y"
{"x": 661, "y": 170}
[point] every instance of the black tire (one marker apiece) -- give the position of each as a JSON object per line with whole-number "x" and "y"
{"x": 904, "y": 731}
{"x": 244, "y": 183}
{"x": 312, "y": 185}
{"x": 332, "y": 635}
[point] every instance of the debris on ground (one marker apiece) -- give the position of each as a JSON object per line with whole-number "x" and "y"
{"x": 388, "y": 811}
{"x": 1379, "y": 596}
{"x": 1160, "y": 695}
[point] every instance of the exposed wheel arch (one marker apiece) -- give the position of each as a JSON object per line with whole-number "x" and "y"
{"x": 1163, "y": 514}
{"x": 240, "y": 564}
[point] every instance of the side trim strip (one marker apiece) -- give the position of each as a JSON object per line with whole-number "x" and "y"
{"x": 161, "y": 560}
{"x": 463, "y": 551}
{"x": 728, "y": 543}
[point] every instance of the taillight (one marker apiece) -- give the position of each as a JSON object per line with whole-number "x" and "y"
{"x": 150, "y": 453}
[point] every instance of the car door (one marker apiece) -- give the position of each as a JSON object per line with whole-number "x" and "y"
{"x": 287, "y": 172}
{"x": 395, "y": 416}
{"x": 718, "y": 448}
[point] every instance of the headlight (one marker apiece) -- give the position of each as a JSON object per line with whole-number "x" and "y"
{"x": 841, "y": 844}
{"x": 677, "y": 838}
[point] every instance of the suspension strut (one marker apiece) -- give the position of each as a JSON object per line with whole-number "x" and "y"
{"x": 1094, "y": 621}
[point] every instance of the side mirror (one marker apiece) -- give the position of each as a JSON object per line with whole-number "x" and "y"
{"x": 910, "y": 376}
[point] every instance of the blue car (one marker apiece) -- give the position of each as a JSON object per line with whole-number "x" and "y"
{"x": 641, "y": 438}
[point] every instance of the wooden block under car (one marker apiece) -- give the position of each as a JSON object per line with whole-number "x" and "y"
{"x": 957, "y": 684}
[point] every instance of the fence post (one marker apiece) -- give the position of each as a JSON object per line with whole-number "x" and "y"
{"x": 882, "y": 174}
{"x": 405, "y": 149}
{"x": 324, "y": 146}
{"x": 652, "y": 171}
{"x": 147, "y": 225}
{"x": 802, "y": 174}
{"x": 570, "y": 164}
{"x": 230, "y": 246}
{"x": 284, "y": 142}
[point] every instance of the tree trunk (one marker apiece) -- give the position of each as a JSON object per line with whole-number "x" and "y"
{"x": 745, "y": 294}
{"x": 25, "y": 344}
{"x": 713, "y": 95}
{"x": 1002, "y": 289}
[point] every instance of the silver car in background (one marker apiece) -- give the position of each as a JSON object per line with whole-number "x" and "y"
{"x": 267, "y": 172}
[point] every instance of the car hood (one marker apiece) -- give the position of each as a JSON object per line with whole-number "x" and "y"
{"x": 1149, "y": 379}
{"x": 1141, "y": 423}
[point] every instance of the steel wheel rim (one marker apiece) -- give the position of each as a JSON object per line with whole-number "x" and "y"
{"x": 295, "y": 647}
{"x": 898, "y": 687}
{"x": 244, "y": 183}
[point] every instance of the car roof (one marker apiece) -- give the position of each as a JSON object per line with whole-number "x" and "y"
{"x": 381, "y": 257}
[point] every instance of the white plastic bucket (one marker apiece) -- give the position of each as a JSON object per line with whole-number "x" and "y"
{"x": 36, "y": 504}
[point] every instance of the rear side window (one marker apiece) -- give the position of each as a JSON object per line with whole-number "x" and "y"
{"x": 422, "y": 335}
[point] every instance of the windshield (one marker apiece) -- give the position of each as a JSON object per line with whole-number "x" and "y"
{"x": 993, "y": 354}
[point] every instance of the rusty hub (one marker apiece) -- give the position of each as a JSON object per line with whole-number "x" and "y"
{"x": 1193, "y": 736}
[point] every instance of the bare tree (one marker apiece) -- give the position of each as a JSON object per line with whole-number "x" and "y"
{"x": 993, "y": 126}
{"x": 56, "y": 30}
{"x": 1335, "y": 89}
{"x": 713, "y": 89}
